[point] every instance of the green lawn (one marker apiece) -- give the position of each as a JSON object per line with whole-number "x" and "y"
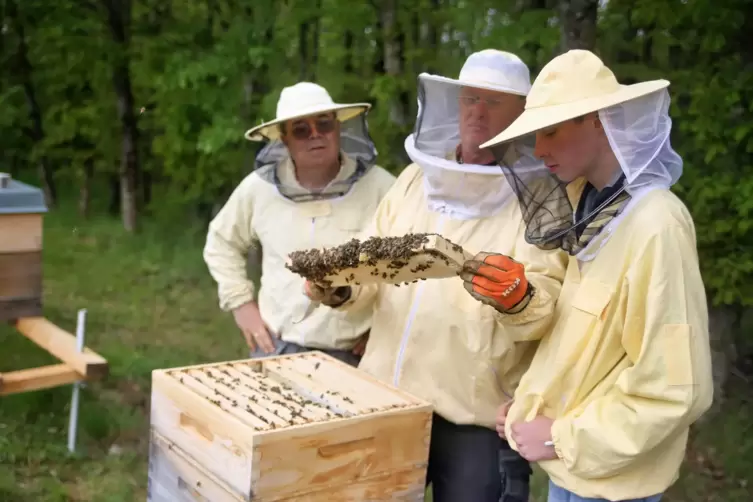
{"x": 151, "y": 304}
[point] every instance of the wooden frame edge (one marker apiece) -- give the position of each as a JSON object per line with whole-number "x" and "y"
{"x": 74, "y": 366}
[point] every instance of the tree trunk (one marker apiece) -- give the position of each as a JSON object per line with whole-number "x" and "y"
{"x": 393, "y": 57}
{"x": 84, "y": 194}
{"x": 37, "y": 131}
{"x": 118, "y": 15}
{"x": 426, "y": 37}
{"x": 114, "y": 207}
{"x": 393, "y": 39}
{"x": 392, "y": 61}
{"x": 308, "y": 41}
{"x": 303, "y": 48}
{"x": 316, "y": 25}
{"x": 578, "y": 18}
{"x": 348, "y": 43}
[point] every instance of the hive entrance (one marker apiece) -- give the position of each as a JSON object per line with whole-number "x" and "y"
{"x": 392, "y": 260}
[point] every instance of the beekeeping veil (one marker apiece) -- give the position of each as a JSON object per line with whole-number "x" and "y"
{"x": 453, "y": 186}
{"x": 357, "y": 151}
{"x": 637, "y": 125}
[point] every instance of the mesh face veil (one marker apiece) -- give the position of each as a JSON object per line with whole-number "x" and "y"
{"x": 452, "y": 186}
{"x": 638, "y": 133}
{"x": 355, "y": 144}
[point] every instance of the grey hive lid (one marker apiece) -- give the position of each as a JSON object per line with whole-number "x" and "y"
{"x": 17, "y": 197}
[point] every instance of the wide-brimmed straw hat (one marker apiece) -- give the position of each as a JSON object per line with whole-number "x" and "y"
{"x": 301, "y": 100}
{"x": 492, "y": 70}
{"x": 569, "y": 86}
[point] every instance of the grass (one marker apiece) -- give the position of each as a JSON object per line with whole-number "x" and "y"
{"x": 151, "y": 304}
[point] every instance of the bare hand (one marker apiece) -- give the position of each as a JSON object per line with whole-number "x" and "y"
{"x": 360, "y": 346}
{"x": 316, "y": 292}
{"x": 256, "y": 333}
{"x": 326, "y": 295}
{"x": 502, "y": 412}
{"x": 531, "y": 438}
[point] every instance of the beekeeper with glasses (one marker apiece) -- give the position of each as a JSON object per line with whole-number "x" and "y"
{"x": 315, "y": 184}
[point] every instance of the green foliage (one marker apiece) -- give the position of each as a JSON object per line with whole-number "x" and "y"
{"x": 702, "y": 49}
{"x": 204, "y": 72}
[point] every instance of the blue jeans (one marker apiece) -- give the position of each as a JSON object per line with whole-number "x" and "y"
{"x": 282, "y": 347}
{"x": 557, "y": 494}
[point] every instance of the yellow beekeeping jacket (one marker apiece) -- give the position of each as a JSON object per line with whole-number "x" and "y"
{"x": 627, "y": 367}
{"x": 256, "y": 214}
{"x": 432, "y": 338}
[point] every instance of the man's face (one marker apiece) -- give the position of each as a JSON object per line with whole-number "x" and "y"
{"x": 313, "y": 141}
{"x": 571, "y": 149}
{"x": 484, "y": 114}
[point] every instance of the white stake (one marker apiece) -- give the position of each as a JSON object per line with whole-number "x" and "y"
{"x": 73, "y": 420}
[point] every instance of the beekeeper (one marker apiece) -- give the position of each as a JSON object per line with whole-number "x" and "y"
{"x": 315, "y": 185}
{"x": 612, "y": 390}
{"x": 431, "y": 338}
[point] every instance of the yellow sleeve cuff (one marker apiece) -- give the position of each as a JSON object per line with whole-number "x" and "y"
{"x": 560, "y": 438}
{"x": 236, "y": 296}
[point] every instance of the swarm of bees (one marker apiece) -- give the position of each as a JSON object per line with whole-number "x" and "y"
{"x": 266, "y": 401}
{"x": 317, "y": 264}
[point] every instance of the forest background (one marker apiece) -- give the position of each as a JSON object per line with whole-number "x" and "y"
{"x": 129, "y": 115}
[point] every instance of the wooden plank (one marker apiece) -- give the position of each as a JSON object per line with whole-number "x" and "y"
{"x": 307, "y": 411}
{"x": 257, "y": 400}
{"x": 400, "y": 486}
{"x": 195, "y": 382}
{"x": 312, "y": 458}
{"x": 20, "y": 233}
{"x": 356, "y": 373}
{"x": 307, "y": 386}
{"x": 62, "y": 345}
{"x": 176, "y": 477}
{"x": 340, "y": 379}
{"x": 215, "y": 439}
{"x": 32, "y": 379}
{"x": 20, "y": 276}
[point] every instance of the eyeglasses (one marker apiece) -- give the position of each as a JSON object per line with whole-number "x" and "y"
{"x": 472, "y": 100}
{"x": 302, "y": 130}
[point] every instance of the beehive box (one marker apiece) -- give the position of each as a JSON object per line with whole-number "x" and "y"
{"x": 294, "y": 427}
{"x": 21, "y": 211}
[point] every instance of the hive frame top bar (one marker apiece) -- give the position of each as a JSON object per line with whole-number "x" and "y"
{"x": 430, "y": 256}
{"x": 335, "y": 392}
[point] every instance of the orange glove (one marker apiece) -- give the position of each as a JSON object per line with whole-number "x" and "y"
{"x": 496, "y": 280}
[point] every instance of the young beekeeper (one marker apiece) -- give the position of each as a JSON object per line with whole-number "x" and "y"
{"x": 315, "y": 185}
{"x": 431, "y": 338}
{"x": 612, "y": 390}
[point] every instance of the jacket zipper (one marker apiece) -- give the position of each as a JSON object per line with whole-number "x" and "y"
{"x": 312, "y": 240}
{"x": 411, "y": 318}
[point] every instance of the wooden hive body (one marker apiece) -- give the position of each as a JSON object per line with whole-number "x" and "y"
{"x": 21, "y": 213}
{"x": 295, "y": 427}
